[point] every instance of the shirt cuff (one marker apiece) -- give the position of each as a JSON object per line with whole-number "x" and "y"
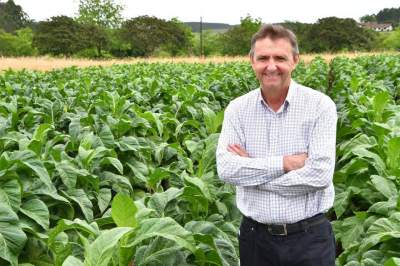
{"x": 275, "y": 165}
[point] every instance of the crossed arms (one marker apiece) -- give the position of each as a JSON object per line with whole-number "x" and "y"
{"x": 288, "y": 175}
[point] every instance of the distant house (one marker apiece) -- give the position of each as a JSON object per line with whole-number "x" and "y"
{"x": 377, "y": 26}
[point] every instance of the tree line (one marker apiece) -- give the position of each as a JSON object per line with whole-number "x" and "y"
{"x": 100, "y": 31}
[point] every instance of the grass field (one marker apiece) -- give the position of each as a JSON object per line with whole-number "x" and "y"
{"x": 49, "y": 63}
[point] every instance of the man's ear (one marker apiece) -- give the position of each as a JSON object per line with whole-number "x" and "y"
{"x": 296, "y": 58}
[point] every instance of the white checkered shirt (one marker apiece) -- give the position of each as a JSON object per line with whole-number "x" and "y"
{"x": 305, "y": 123}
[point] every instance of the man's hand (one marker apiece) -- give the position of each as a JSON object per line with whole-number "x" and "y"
{"x": 294, "y": 162}
{"x": 236, "y": 149}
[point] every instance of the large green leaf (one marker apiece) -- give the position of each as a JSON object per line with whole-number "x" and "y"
{"x": 123, "y": 211}
{"x": 72, "y": 261}
{"x": 104, "y": 199}
{"x": 12, "y": 238}
{"x": 37, "y": 211}
{"x": 159, "y": 201}
{"x": 30, "y": 160}
{"x": 162, "y": 227}
{"x": 352, "y": 229}
{"x": 392, "y": 262}
{"x": 81, "y": 199}
{"x": 101, "y": 250}
{"x": 10, "y": 193}
{"x": 160, "y": 251}
{"x": 393, "y": 153}
{"x": 382, "y": 230}
{"x": 385, "y": 186}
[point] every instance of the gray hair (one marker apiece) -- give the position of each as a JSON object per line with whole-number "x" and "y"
{"x": 274, "y": 32}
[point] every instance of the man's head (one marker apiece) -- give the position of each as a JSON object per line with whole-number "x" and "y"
{"x": 274, "y": 55}
{"x": 274, "y": 32}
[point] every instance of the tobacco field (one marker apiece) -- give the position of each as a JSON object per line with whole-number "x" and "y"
{"x": 116, "y": 165}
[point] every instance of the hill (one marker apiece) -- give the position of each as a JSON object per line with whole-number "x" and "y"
{"x": 208, "y": 26}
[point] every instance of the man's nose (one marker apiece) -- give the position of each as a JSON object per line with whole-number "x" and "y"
{"x": 271, "y": 66}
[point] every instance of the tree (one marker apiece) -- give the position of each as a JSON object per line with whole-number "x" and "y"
{"x": 301, "y": 31}
{"x": 12, "y": 17}
{"x": 60, "y": 36}
{"x": 212, "y": 44}
{"x": 368, "y": 18}
{"x": 145, "y": 34}
{"x": 103, "y": 13}
{"x": 336, "y": 34}
{"x": 99, "y": 16}
{"x": 392, "y": 41}
{"x": 236, "y": 41}
{"x": 389, "y": 15}
{"x": 19, "y": 44}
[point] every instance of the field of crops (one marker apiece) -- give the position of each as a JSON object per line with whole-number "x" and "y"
{"x": 110, "y": 166}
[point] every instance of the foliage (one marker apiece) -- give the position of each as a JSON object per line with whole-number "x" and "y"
{"x": 19, "y": 44}
{"x": 146, "y": 34}
{"x": 335, "y": 34}
{"x": 12, "y": 17}
{"x": 97, "y": 18}
{"x": 121, "y": 167}
{"x": 212, "y": 44}
{"x": 236, "y": 41}
{"x": 103, "y": 13}
{"x": 368, "y": 18}
{"x": 392, "y": 40}
{"x": 389, "y": 15}
{"x": 60, "y": 36}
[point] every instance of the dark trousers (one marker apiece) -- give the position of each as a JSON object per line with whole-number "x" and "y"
{"x": 314, "y": 246}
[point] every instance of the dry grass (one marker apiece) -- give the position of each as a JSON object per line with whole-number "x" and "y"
{"x": 50, "y": 63}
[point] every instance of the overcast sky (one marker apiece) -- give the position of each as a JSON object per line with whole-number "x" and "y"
{"x": 223, "y": 11}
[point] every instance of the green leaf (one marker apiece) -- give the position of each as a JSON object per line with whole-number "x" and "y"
{"x": 104, "y": 198}
{"x": 156, "y": 176}
{"x": 341, "y": 202}
{"x": 159, "y": 201}
{"x": 37, "y": 211}
{"x": 114, "y": 162}
{"x": 163, "y": 227}
{"x": 393, "y": 262}
{"x": 123, "y": 211}
{"x": 393, "y": 153}
{"x": 380, "y": 101}
{"x": 72, "y": 261}
{"x": 12, "y": 238}
{"x": 29, "y": 159}
{"x": 77, "y": 224}
{"x": 39, "y": 137}
{"x": 160, "y": 252}
{"x": 385, "y": 186}
{"x": 69, "y": 173}
{"x": 10, "y": 193}
{"x": 374, "y": 159}
{"x": 128, "y": 144}
{"x": 382, "y": 230}
{"x": 101, "y": 250}
{"x": 352, "y": 229}
{"x": 153, "y": 117}
{"x": 79, "y": 197}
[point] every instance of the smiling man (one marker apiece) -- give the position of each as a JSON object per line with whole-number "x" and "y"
{"x": 277, "y": 145}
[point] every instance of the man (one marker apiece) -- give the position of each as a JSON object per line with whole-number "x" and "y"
{"x": 277, "y": 145}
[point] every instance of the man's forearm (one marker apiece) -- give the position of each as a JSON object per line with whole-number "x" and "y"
{"x": 245, "y": 171}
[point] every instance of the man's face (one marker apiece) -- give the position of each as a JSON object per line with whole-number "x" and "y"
{"x": 273, "y": 62}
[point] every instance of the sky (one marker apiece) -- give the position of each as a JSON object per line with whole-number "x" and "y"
{"x": 221, "y": 11}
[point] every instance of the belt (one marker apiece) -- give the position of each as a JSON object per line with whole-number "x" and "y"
{"x": 286, "y": 229}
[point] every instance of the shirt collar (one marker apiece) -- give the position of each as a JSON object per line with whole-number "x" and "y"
{"x": 290, "y": 97}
